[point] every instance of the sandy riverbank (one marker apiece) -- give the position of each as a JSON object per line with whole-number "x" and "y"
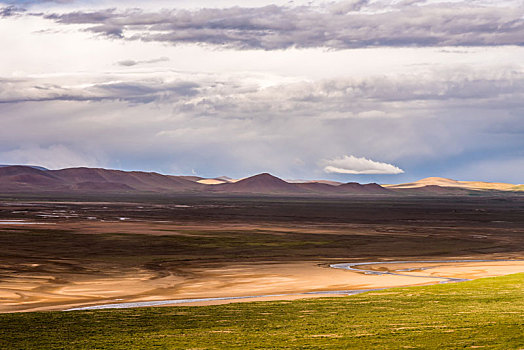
{"x": 32, "y": 294}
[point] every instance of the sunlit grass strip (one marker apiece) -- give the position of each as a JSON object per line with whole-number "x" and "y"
{"x": 485, "y": 313}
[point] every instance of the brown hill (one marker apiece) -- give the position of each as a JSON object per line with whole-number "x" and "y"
{"x": 268, "y": 184}
{"x": 15, "y": 170}
{"x": 328, "y": 182}
{"x": 356, "y": 188}
{"x": 317, "y": 187}
{"x": 25, "y": 165}
{"x": 27, "y": 179}
{"x": 262, "y": 183}
{"x": 130, "y": 180}
{"x": 24, "y": 178}
{"x": 102, "y": 186}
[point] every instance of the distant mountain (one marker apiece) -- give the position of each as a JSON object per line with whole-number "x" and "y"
{"x": 30, "y": 179}
{"x": 268, "y": 184}
{"x": 30, "y": 166}
{"x": 328, "y": 182}
{"x": 261, "y": 183}
{"x": 372, "y": 188}
{"x": 469, "y": 185}
{"x": 24, "y": 179}
{"x": 317, "y": 187}
{"x": 27, "y": 179}
{"x": 136, "y": 180}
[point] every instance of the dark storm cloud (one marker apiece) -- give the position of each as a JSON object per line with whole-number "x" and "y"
{"x": 341, "y": 25}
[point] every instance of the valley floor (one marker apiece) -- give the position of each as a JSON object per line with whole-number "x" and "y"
{"x": 62, "y": 255}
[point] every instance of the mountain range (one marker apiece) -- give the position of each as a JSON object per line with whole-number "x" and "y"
{"x": 34, "y": 179}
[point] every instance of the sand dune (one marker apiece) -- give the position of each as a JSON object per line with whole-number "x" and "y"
{"x": 211, "y": 182}
{"x": 470, "y": 185}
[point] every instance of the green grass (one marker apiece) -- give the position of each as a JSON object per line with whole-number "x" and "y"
{"x": 486, "y": 313}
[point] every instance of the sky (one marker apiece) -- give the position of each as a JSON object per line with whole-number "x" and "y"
{"x": 385, "y": 91}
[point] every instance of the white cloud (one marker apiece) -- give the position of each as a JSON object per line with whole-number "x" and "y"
{"x": 355, "y": 165}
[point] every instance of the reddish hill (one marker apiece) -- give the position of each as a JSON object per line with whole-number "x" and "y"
{"x": 261, "y": 183}
{"x": 318, "y": 188}
{"x": 101, "y": 186}
{"x": 269, "y": 184}
{"x": 129, "y": 180}
{"x": 356, "y": 188}
{"x": 28, "y": 179}
{"x": 24, "y": 178}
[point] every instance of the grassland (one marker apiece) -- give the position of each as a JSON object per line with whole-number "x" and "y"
{"x": 485, "y": 313}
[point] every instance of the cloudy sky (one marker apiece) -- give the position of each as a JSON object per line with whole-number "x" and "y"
{"x": 385, "y": 90}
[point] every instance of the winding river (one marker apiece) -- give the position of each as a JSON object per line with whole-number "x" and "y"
{"x": 357, "y": 267}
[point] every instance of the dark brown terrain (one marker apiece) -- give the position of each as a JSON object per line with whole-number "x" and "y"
{"x": 65, "y": 252}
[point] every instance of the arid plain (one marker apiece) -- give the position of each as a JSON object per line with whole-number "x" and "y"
{"x": 64, "y": 254}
